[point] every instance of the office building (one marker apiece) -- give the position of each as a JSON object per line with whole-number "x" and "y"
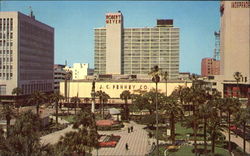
{"x": 59, "y": 75}
{"x": 235, "y": 47}
{"x": 26, "y": 54}
{"x": 210, "y": 66}
{"x": 134, "y": 51}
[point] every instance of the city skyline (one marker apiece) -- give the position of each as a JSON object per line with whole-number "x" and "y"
{"x": 74, "y": 39}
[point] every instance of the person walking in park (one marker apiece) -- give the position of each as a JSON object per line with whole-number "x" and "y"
{"x": 132, "y": 128}
{"x": 126, "y": 146}
{"x": 128, "y": 130}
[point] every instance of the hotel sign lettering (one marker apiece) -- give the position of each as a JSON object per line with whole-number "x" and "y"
{"x": 123, "y": 86}
{"x": 240, "y": 4}
{"x": 113, "y": 19}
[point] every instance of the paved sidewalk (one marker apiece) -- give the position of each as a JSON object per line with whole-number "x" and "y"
{"x": 53, "y": 138}
{"x": 138, "y": 142}
{"x": 238, "y": 140}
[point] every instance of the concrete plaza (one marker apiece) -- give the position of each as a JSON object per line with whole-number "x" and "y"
{"x": 138, "y": 142}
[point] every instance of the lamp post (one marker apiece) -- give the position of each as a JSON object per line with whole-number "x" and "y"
{"x": 156, "y": 79}
{"x": 93, "y": 97}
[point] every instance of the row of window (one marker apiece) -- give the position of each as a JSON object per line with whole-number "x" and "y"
{"x": 6, "y": 76}
{"x": 30, "y": 88}
{"x": 4, "y": 43}
{"x": 7, "y": 35}
{"x": 6, "y": 59}
{"x": 6, "y": 66}
{"x": 6, "y": 24}
{"x": 6, "y": 51}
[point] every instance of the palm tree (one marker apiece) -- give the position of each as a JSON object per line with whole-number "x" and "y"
{"x": 85, "y": 138}
{"x": 8, "y": 113}
{"x": 241, "y": 118}
{"x": 155, "y": 73}
{"x": 104, "y": 100}
{"x": 76, "y": 101}
{"x": 238, "y": 76}
{"x": 204, "y": 112}
{"x": 67, "y": 77}
{"x": 165, "y": 77}
{"x": 103, "y": 97}
{"x": 37, "y": 97}
{"x": 17, "y": 91}
{"x": 199, "y": 97}
{"x": 125, "y": 95}
{"x": 56, "y": 97}
{"x": 231, "y": 105}
{"x": 24, "y": 136}
{"x": 174, "y": 110}
{"x": 100, "y": 95}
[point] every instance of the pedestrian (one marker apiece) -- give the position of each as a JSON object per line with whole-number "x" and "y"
{"x": 126, "y": 146}
{"x": 132, "y": 128}
{"x": 128, "y": 130}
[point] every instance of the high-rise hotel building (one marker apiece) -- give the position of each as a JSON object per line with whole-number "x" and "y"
{"x": 120, "y": 50}
{"x": 235, "y": 47}
{"x": 26, "y": 54}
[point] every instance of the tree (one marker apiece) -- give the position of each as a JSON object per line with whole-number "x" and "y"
{"x": 25, "y": 137}
{"x": 104, "y": 100}
{"x": 174, "y": 110}
{"x": 37, "y": 98}
{"x": 238, "y": 76}
{"x": 241, "y": 118}
{"x": 8, "y": 113}
{"x": 17, "y": 91}
{"x": 125, "y": 95}
{"x": 76, "y": 101}
{"x": 155, "y": 73}
{"x": 103, "y": 97}
{"x": 204, "y": 112}
{"x": 198, "y": 96}
{"x": 165, "y": 77}
{"x": 230, "y": 106}
{"x": 56, "y": 97}
{"x": 100, "y": 95}
{"x": 147, "y": 101}
{"x": 82, "y": 140}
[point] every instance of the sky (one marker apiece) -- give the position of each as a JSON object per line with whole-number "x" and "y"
{"x": 74, "y": 23}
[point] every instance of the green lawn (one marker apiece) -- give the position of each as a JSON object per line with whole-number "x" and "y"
{"x": 187, "y": 151}
{"x": 69, "y": 118}
{"x": 181, "y": 133}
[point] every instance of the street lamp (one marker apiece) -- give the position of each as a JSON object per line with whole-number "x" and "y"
{"x": 156, "y": 79}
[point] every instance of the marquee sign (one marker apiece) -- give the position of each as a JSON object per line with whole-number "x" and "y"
{"x": 113, "y": 19}
{"x": 241, "y": 4}
{"x": 123, "y": 86}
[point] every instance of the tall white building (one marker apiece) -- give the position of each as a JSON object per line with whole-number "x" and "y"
{"x": 79, "y": 71}
{"x": 135, "y": 51}
{"x": 26, "y": 54}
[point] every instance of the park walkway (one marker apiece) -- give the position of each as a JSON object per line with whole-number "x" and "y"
{"x": 238, "y": 140}
{"x": 53, "y": 138}
{"x": 137, "y": 141}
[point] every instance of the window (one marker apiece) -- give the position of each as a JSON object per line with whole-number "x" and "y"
{"x": 2, "y": 89}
